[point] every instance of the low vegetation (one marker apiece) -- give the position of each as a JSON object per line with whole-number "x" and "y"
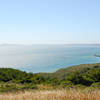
{"x": 82, "y": 76}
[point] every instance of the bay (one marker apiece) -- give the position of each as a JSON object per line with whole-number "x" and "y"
{"x": 48, "y": 57}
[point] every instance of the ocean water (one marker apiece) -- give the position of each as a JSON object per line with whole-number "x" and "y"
{"x": 47, "y": 58}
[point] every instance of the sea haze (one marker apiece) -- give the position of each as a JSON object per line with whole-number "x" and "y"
{"x": 47, "y": 58}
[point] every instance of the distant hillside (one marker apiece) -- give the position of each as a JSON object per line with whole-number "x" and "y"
{"x": 9, "y": 74}
{"x": 63, "y": 72}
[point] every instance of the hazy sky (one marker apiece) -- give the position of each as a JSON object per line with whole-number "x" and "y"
{"x": 49, "y": 21}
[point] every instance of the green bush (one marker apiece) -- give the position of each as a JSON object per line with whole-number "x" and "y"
{"x": 28, "y": 86}
{"x": 96, "y": 85}
{"x": 7, "y": 88}
{"x": 66, "y": 84}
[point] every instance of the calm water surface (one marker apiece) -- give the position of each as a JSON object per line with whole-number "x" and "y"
{"x": 47, "y": 58}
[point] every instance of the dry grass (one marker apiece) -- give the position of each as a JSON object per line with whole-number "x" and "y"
{"x": 52, "y": 95}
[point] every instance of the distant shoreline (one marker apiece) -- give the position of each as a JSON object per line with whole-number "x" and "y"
{"x": 97, "y": 55}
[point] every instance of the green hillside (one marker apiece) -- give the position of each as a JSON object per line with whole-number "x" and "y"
{"x": 87, "y": 75}
{"x": 63, "y": 72}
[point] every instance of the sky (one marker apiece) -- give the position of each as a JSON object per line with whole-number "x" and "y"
{"x": 49, "y": 21}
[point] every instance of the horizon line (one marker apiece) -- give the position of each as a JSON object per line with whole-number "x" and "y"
{"x": 50, "y": 44}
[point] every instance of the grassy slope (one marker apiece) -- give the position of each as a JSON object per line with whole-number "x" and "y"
{"x": 70, "y": 94}
{"x": 53, "y": 95}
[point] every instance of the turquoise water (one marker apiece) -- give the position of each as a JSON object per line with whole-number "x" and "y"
{"x": 47, "y": 58}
